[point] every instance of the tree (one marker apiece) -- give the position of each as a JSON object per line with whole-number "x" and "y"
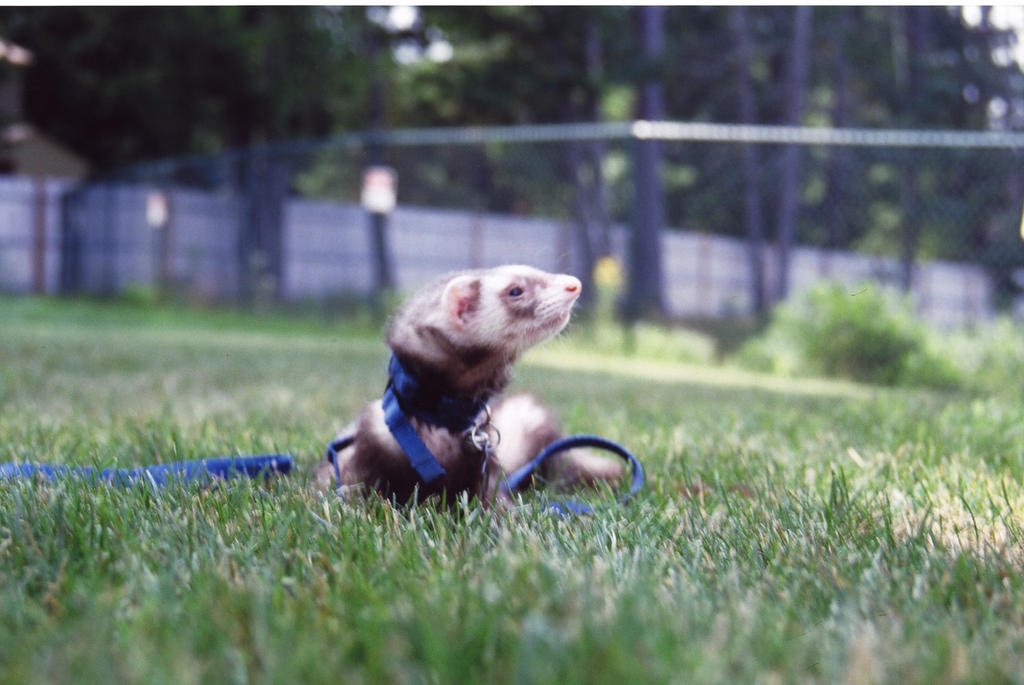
{"x": 645, "y": 280}
{"x": 592, "y": 222}
{"x": 152, "y": 82}
{"x": 796, "y": 74}
{"x": 839, "y": 32}
{"x": 751, "y": 191}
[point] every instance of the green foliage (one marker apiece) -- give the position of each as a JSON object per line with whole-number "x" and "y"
{"x": 645, "y": 340}
{"x": 991, "y": 356}
{"x": 140, "y": 295}
{"x": 129, "y": 83}
{"x": 866, "y": 334}
{"x": 792, "y": 532}
{"x": 306, "y": 70}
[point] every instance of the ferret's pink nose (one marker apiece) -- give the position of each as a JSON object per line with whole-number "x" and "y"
{"x": 572, "y": 284}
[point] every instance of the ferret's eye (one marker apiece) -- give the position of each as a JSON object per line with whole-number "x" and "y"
{"x": 515, "y": 291}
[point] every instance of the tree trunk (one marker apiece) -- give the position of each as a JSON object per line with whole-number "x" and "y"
{"x": 585, "y": 159}
{"x": 915, "y": 31}
{"x": 796, "y": 76}
{"x": 839, "y": 155}
{"x": 582, "y": 215}
{"x": 645, "y": 280}
{"x": 600, "y": 233}
{"x": 753, "y": 214}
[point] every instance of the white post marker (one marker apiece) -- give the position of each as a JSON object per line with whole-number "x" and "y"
{"x": 380, "y": 185}
{"x": 156, "y": 209}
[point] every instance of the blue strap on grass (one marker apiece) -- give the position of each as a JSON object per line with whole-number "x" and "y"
{"x": 517, "y": 477}
{"x": 159, "y": 474}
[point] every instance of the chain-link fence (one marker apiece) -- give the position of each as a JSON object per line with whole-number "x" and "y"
{"x": 749, "y": 213}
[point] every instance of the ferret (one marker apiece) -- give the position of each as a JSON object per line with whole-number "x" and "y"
{"x": 459, "y": 337}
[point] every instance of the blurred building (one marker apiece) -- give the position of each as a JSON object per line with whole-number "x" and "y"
{"x": 24, "y": 150}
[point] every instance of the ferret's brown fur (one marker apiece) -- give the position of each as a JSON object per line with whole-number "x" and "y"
{"x": 461, "y": 335}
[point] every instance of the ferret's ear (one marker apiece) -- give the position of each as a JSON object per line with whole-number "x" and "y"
{"x": 461, "y": 297}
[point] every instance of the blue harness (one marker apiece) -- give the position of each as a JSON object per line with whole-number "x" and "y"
{"x": 406, "y": 396}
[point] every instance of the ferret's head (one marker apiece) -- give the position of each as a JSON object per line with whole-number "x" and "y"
{"x": 510, "y": 308}
{"x": 476, "y": 320}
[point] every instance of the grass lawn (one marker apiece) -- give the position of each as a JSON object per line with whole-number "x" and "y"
{"x": 791, "y": 531}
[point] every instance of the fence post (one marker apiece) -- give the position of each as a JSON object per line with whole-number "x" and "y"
{"x": 110, "y": 246}
{"x": 38, "y": 234}
{"x": 384, "y": 280}
{"x": 476, "y": 240}
{"x": 166, "y": 274}
{"x": 706, "y": 295}
{"x": 264, "y": 184}
{"x": 70, "y": 244}
{"x": 158, "y": 220}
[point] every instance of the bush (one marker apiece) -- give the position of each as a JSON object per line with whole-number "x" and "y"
{"x": 865, "y": 334}
{"x": 991, "y": 356}
{"x": 140, "y": 295}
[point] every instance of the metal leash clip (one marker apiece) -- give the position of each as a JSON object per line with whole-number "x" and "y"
{"x": 479, "y": 437}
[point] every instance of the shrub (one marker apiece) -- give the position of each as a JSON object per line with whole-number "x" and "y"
{"x": 865, "y": 334}
{"x": 140, "y": 295}
{"x": 991, "y": 356}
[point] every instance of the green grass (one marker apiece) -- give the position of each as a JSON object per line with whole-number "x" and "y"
{"x": 791, "y": 531}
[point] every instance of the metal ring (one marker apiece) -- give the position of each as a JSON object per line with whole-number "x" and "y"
{"x": 479, "y": 436}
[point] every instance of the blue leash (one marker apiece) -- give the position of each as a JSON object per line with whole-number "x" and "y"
{"x": 159, "y": 474}
{"x": 517, "y": 477}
